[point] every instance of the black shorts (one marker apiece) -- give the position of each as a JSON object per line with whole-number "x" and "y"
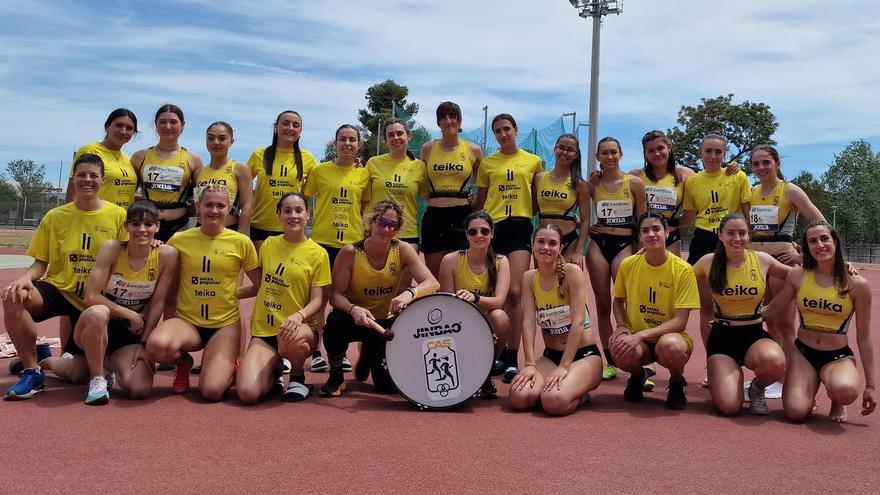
{"x": 569, "y": 239}
{"x": 272, "y": 340}
{"x": 703, "y": 243}
{"x": 259, "y": 235}
{"x": 819, "y": 358}
{"x": 674, "y": 236}
{"x": 443, "y": 228}
{"x": 586, "y": 351}
{"x": 332, "y": 252}
{"x": 611, "y": 245}
{"x": 55, "y": 304}
{"x": 168, "y": 228}
{"x": 119, "y": 336}
{"x": 734, "y": 341}
{"x": 512, "y": 234}
{"x": 205, "y": 334}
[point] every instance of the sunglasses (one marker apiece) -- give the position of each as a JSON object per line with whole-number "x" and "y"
{"x": 384, "y": 223}
{"x": 484, "y": 231}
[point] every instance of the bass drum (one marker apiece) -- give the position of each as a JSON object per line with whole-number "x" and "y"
{"x": 442, "y": 351}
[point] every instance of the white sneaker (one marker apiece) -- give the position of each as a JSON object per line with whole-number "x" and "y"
{"x": 98, "y": 395}
{"x": 346, "y": 365}
{"x": 285, "y": 366}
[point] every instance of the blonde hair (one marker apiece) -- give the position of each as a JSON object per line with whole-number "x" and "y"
{"x": 213, "y": 187}
{"x": 378, "y": 210}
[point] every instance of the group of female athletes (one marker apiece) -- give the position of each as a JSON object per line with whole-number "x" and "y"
{"x": 113, "y": 265}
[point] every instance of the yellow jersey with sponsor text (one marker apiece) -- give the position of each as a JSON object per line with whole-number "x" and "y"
{"x": 69, "y": 240}
{"x": 508, "y": 180}
{"x": 209, "y": 268}
{"x": 822, "y": 309}
{"x": 272, "y": 186}
{"x": 339, "y": 192}
{"x": 770, "y": 216}
{"x": 120, "y": 178}
{"x": 399, "y": 180}
{"x": 743, "y": 298}
{"x": 374, "y": 289}
{"x": 663, "y": 195}
{"x": 465, "y": 278}
{"x": 556, "y": 199}
{"x": 290, "y": 270}
{"x": 553, "y": 312}
{"x": 615, "y": 208}
{"x": 224, "y": 176}
{"x": 448, "y": 172}
{"x": 166, "y": 181}
{"x": 714, "y": 195}
{"x": 129, "y": 288}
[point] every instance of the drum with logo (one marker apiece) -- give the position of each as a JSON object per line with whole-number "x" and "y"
{"x": 442, "y": 351}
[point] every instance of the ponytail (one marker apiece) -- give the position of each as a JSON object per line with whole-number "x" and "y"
{"x": 560, "y": 276}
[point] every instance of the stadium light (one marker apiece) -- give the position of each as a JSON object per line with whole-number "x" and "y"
{"x": 595, "y": 9}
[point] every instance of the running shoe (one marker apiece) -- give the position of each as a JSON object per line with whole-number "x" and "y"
{"x": 285, "y": 366}
{"x": 757, "y": 401}
{"x": 111, "y": 379}
{"x": 335, "y": 384}
{"x": 196, "y": 370}
{"x": 487, "y": 390}
{"x": 98, "y": 394}
{"x": 43, "y": 352}
{"x": 181, "y": 374}
{"x": 649, "y": 385}
{"x": 30, "y": 382}
{"x": 609, "y": 373}
{"x": 319, "y": 365}
{"x": 498, "y": 368}
{"x": 676, "y": 397}
{"x": 296, "y": 392}
{"x": 635, "y": 386}
{"x": 510, "y": 373}
{"x": 705, "y": 383}
{"x": 346, "y": 365}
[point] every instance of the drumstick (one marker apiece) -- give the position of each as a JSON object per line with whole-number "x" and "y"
{"x": 386, "y": 334}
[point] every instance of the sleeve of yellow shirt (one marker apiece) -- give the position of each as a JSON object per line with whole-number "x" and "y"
{"x": 483, "y": 174}
{"x": 620, "y": 281}
{"x": 686, "y": 295}
{"x": 689, "y": 194}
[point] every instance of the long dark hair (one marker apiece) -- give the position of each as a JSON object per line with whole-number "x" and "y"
{"x": 490, "y": 254}
{"x": 121, "y": 112}
{"x": 718, "y": 270}
{"x": 670, "y": 163}
{"x": 840, "y": 274}
{"x": 575, "y": 169}
{"x": 269, "y": 152}
{"x": 409, "y": 153}
{"x": 773, "y": 154}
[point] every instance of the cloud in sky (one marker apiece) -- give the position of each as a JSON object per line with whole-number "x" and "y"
{"x": 64, "y": 66}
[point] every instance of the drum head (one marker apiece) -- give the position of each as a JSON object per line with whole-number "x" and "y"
{"x": 442, "y": 351}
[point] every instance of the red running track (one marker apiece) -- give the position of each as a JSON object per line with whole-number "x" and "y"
{"x": 368, "y": 443}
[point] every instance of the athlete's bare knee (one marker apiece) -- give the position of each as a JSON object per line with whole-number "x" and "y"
{"x": 556, "y": 404}
{"x": 248, "y": 395}
{"x": 728, "y": 408}
{"x": 798, "y": 414}
{"x": 140, "y": 391}
{"x": 212, "y": 393}
{"x": 843, "y": 394}
{"x": 522, "y": 400}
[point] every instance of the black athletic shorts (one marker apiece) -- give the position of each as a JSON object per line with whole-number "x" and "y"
{"x": 819, "y": 358}
{"x": 512, "y": 234}
{"x": 259, "y": 235}
{"x": 703, "y": 243}
{"x": 734, "y": 341}
{"x": 55, "y": 304}
{"x": 443, "y": 228}
{"x": 674, "y": 236}
{"x": 119, "y": 336}
{"x": 168, "y": 228}
{"x": 332, "y": 252}
{"x": 611, "y": 245}
{"x": 569, "y": 239}
{"x": 205, "y": 334}
{"x": 272, "y": 340}
{"x": 586, "y": 351}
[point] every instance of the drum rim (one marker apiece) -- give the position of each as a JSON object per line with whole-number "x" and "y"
{"x": 469, "y": 397}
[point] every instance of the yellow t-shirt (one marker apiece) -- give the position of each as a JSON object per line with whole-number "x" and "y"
{"x": 448, "y": 172}
{"x": 290, "y": 270}
{"x": 743, "y": 298}
{"x": 465, "y": 278}
{"x": 224, "y": 176}
{"x": 270, "y": 187}
{"x": 653, "y": 293}
{"x": 508, "y": 179}
{"x": 713, "y": 195}
{"x": 821, "y": 309}
{"x": 69, "y": 240}
{"x": 166, "y": 181}
{"x": 374, "y": 289}
{"x": 556, "y": 199}
{"x": 339, "y": 192}
{"x": 209, "y": 268}
{"x": 133, "y": 289}
{"x": 120, "y": 178}
{"x": 400, "y": 180}
{"x": 663, "y": 196}
{"x": 617, "y": 208}
{"x": 771, "y": 217}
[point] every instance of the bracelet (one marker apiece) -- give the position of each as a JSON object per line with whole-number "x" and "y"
{"x": 301, "y": 316}
{"x": 476, "y": 297}
{"x": 350, "y": 308}
{"x": 413, "y": 292}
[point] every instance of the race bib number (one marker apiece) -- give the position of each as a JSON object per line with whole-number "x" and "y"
{"x": 163, "y": 178}
{"x": 127, "y": 293}
{"x": 662, "y": 199}
{"x": 613, "y": 212}
{"x": 555, "y": 321}
{"x": 764, "y": 218}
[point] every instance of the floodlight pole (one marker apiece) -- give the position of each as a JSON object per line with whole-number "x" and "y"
{"x": 573, "y": 116}
{"x": 485, "y": 126}
{"x": 595, "y": 9}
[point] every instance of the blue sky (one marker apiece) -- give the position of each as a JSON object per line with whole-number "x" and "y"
{"x": 65, "y": 65}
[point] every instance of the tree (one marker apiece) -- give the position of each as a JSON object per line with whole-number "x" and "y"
{"x": 8, "y": 193}
{"x": 329, "y": 151}
{"x": 29, "y": 178}
{"x": 815, "y": 190}
{"x": 745, "y": 126}
{"x": 380, "y": 98}
{"x": 852, "y": 182}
